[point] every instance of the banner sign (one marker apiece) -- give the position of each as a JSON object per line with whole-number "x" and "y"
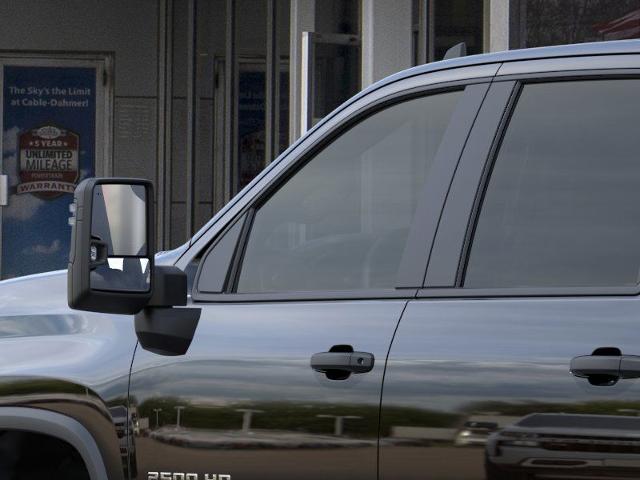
{"x": 48, "y": 146}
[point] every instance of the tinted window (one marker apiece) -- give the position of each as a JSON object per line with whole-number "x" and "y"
{"x": 341, "y": 222}
{"x": 218, "y": 259}
{"x": 562, "y": 206}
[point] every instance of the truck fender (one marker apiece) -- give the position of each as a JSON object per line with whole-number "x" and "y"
{"x": 59, "y": 426}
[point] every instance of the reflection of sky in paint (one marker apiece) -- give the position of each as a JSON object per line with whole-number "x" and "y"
{"x": 35, "y": 232}
{"x": 261, "y": 352}
{"x": 41, "y": 336}
{"x": 447, "y": 354}
{"x": 450, "y": 353}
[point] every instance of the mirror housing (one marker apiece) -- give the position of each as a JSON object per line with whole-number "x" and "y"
{"x": 112, "y": 246}
{"x": 111, "y": 264}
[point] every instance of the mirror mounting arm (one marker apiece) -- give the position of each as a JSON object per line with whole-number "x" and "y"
{"x": 161, "y": 328}
{"x": 166, "y": 330}
{"x": 170, "y": 287}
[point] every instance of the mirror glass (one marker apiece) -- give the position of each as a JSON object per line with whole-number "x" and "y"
{"x": 119, "y": 252}
{"x": 119, "y": 219}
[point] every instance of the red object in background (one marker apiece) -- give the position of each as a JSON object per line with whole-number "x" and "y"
{"x": 625, "y": 27}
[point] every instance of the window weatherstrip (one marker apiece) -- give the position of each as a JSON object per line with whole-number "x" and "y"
{"x": 231, "y": 285}
{"x": 244, "y": 218}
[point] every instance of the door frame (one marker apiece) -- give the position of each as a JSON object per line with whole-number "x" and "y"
{"x": 104, "y": 65}
{"x": 473, "y": 80}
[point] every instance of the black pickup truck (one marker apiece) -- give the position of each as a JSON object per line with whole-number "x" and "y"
{"x": 440, "y": 280}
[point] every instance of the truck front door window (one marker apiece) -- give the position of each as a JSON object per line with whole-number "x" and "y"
{"x": 341, "y": 222}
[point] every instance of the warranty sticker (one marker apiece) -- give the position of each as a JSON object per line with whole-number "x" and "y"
{"x": 49, "y": 165}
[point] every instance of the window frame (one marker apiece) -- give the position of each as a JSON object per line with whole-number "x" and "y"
{"x": 410, "y": 272}
{"x": 445, "y": 273}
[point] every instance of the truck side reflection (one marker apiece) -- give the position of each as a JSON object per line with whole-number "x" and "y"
{"x": 574, "y": 445}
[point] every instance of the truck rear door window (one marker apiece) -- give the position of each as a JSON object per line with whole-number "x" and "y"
{"x": 562, "y": 206}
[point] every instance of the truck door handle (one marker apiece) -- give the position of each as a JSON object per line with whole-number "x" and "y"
{"x": 351, "y": 362}
{"x": 605, "y": 366}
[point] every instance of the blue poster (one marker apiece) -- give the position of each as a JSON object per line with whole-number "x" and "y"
{"x": 48, "y": 146}
{"x": 251, "y": 122}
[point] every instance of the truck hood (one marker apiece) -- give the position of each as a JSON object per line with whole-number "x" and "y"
{"x": 43, "y": 293}
{"x": 41, "y": 336}
{"x": 37, "y": 304}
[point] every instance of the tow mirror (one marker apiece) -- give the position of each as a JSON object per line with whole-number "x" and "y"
{"x": 111, "y": 258}
{"x": 111, "y": 268}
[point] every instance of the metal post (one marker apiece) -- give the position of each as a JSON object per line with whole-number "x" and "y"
{"x": 307, "y": 81}
{"x": 272, "y": 97}
{"x": 247, "y": 415}
{"x": 231, "y": 102}
{"x": 157, "y": 410}
{"x": 431, "y": 30}
{"x": 338, "y": 424}
{"x": 302, "y": 19}
{"x": 423, "y": 30}
{"x": 165, "y": 100}
{"x": 191, "y": 114}
{"x": 178, "y": 410}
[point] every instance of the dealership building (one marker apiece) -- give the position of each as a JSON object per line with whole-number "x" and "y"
{"x": 200, "y": 95}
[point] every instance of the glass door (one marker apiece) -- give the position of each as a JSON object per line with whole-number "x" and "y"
{"x": 53, "y": 116}
{"x": 331, "y": 73}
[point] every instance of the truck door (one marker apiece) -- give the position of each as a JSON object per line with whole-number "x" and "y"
{"x": 299, "y": 303}
{"x": 534, "y": 272}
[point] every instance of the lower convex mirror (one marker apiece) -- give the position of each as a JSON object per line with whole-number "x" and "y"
{"x": 111, "y": 258}
{"x": 121, "y": 274}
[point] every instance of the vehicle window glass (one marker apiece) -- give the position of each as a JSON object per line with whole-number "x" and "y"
{"x": 217, "y": 260}
{"x": 342, "y": 220}
{"x": 562, "y": 207}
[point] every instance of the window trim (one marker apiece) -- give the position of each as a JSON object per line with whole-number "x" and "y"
{"x": 246, "y": 220}
{"x": 460, "y": 208}
{"x": 527, "y": 292}
{"x": 303, "y": 296}
{"x": 445, "y": 253}
{"x": 371, "y": 108}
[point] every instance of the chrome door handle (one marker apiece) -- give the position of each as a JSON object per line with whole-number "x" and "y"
{"x": 605, "y": 366}
{"x": 588, "y": 365}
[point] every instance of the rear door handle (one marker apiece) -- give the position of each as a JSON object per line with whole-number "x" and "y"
{"x": 588, "y": 365}
{"x": 605, "y": 366}
{"x": 352, "y": 362}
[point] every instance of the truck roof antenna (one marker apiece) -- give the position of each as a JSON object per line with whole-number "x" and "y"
{"x": 458, "y": 50}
